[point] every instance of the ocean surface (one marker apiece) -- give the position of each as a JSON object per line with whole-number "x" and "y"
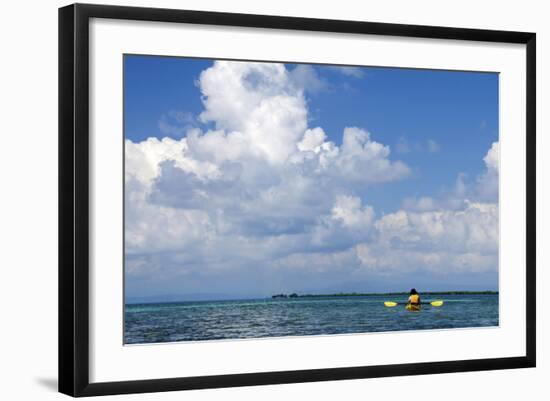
{"x": 214, "y": 320}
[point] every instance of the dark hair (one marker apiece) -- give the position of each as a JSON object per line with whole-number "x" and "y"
{"x": 413, "y": 292}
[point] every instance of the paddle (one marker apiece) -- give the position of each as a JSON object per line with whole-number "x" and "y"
{"x": 391, "y": 304}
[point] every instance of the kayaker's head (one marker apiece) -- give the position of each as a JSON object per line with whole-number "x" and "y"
{"x": 413, "y": 291}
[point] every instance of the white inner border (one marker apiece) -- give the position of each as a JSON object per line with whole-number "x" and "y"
{"x": 111, "y": 361}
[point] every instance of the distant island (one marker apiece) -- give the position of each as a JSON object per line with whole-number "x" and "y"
{"x": 360, "y": 294}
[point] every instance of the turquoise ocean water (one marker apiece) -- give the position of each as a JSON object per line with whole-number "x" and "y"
{"x": 213, "y": 320}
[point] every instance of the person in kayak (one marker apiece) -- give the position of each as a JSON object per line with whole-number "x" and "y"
{"x": 414, "y": 300}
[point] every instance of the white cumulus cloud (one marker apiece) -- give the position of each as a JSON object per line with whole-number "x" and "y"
{"x": 262, "y": 192}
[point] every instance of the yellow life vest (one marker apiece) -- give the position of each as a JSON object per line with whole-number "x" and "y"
{"x": 414, "y": 299}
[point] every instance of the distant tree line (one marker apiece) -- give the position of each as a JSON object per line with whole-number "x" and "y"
{"x": 293, "y": 295}
{"x": 360, "y": 294}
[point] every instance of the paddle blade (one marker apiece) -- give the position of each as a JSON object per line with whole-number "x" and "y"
{"x": 390, "y": 304}
{"x": 436, "y": 303}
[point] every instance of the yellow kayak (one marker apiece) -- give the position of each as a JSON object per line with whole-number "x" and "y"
{"x": 413, "y": 308}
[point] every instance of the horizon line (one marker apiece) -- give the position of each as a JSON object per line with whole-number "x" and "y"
{"x": 311, "y": 295}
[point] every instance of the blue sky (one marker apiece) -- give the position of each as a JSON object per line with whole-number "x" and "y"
{"x": 438, "y": 126}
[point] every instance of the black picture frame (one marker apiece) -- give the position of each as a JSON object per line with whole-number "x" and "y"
{"x": 74, "y": 198}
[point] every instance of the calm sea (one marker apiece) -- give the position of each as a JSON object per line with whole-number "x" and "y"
{"x": 211, "y": 320}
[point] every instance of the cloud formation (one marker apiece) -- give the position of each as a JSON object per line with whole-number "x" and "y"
{"x": 263, "y": 194}
{"x": 403, "y": 146}
{"x": 487, "y": 183}
{"x": 354, "y": 72}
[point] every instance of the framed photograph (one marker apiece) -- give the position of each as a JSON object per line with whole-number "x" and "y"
{"x": 251, "y": 199}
